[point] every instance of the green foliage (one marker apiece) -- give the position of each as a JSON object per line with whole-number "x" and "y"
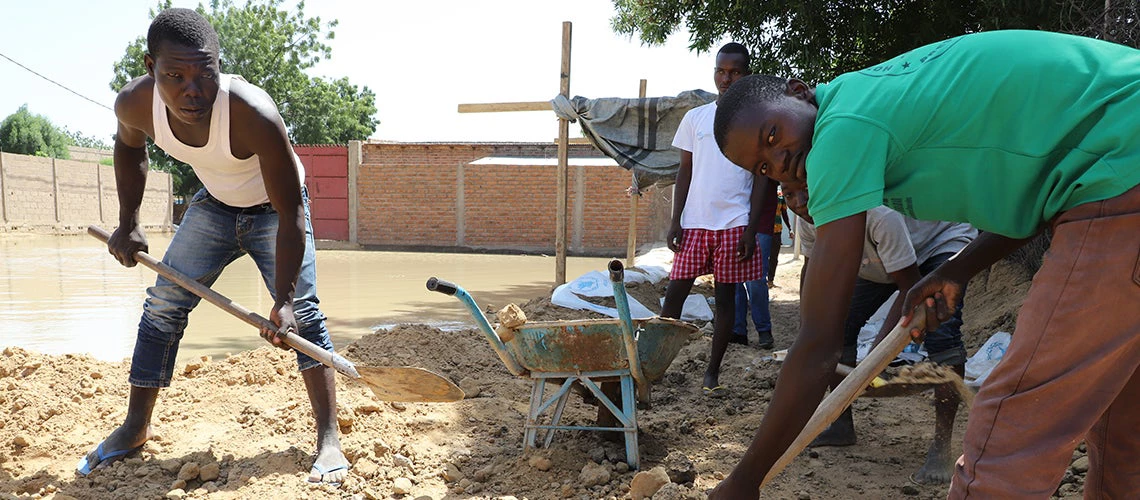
{"x": 85, "y": 141}
{"x": 25, "y": 133}
{"x": 271, "y": 47}
{"x": 818, "y": 40}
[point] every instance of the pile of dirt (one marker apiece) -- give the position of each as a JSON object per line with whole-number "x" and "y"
{"x": 241, "y": 427}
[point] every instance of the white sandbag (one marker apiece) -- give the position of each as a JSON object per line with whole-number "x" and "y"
{"x": 594, "y": 284}
{"x": 982, "y": 363}
{"x": 695, "y": 308}
{"x": 913, "y": 353}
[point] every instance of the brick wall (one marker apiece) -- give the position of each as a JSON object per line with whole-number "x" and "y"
{"x": 429, "y": 195}
{"x": 64, "y": 195}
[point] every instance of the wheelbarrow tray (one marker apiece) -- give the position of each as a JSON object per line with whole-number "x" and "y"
{"x": 596, "y": 345}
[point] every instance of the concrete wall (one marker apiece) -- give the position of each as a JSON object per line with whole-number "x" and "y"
{"x": 430, "y": 195}
{"x": 66, "y": 195}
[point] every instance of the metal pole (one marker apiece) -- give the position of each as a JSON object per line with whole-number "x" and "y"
{"x": 563, "y": 169}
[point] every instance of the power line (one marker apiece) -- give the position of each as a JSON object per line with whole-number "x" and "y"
{"x": 62, "y": 86}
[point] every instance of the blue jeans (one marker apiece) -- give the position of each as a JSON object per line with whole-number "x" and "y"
{"x": 943, "y": 345}
{"x": 211, "y": 236}
{"x": 756, "y": 293}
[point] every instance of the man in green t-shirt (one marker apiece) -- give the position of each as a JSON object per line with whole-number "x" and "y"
{"x": 1014, "y": 132}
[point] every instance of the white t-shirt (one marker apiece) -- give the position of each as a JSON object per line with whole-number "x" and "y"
{"x": 895, "y": 241}
{"x": 720, "y": 191}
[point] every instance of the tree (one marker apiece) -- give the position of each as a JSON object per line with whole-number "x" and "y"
{"x": 816, "y": 40}
{"x": 271, "y": 48}
{"x": 25, "y": 133}
{"x": 86, "y": 141}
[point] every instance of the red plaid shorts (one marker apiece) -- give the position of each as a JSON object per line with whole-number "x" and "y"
{"x": 705, "y": 251}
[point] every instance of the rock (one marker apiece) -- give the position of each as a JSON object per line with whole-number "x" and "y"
{"x": 621, "y": 467}
{"x": 366, "y": 468}
{"x": 803, "y": 495}
{"x": 366, "y": 408}
{"x": 176, "y": 494}
{"x": 209, "y": 472}
{"x": 646, "y": 483}
{"x": 398, "y": 406}
{"x": 380, "y": 448}
{"x": 540, "y": 462}
{"x": 451, "y": 473}
{"x": 402, "y": 486}
{"x": 178, "y": 484}
{"x": 598, "y": 454}
{"x": 344, "y": 420}
{"x": 471, "y": 387}
{"x": 593, "y": 474}
{"x": 680, "y": 468}
{"x": 171, "y": 466}
{"x": 909, "y": 490}
{"x": 399, "y": 460}
{"x": 1081, "y": 465}
{"x": 189, "y": 471}
{"x": 21, "y": 441}
{"x": 482, "y": 475}
{"x": 670, "y": 491}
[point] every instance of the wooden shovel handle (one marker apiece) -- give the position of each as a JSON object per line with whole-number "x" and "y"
{"x": 293, "y": 340}
{"x": 848, "y": 390}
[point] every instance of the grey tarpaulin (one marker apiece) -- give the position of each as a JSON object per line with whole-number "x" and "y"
{"x": 636, "y": 133}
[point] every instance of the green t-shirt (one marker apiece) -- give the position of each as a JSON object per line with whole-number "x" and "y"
{"x": 1003, "y": 130}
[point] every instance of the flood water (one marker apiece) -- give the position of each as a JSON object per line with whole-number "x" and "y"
{"x": 66, "y": 294}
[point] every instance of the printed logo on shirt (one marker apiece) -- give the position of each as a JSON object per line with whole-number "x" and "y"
{"x": 911, "y": 61}
{"x": 904, "y": 206}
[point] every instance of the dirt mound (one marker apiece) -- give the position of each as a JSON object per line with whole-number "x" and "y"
{"x": 241, "y": 427}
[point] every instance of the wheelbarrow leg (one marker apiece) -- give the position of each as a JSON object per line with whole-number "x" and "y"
{"x": 629, "y": 409}
{"x": 536, "y": 394}
{"x": 556, "y": 417}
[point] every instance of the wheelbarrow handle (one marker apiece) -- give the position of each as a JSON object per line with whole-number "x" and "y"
{"x": 442, "y": 286}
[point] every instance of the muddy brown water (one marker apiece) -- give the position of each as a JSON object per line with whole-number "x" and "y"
{"x": 66, "y": 294}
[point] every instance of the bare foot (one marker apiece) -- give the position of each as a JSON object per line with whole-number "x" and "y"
{"x": 331, "y": 466}
{"x": 122, "y": 442}
{"x": 939, "y": 466}
{"x": 839, "y": 433}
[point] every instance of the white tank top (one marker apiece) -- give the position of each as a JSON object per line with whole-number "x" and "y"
{"x": 237, "y": 183}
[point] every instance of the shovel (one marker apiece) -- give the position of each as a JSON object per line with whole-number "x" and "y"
{"x": 904, "y": 386}
{"x": 843, "y": 395}
{"x": 404, "y": 384}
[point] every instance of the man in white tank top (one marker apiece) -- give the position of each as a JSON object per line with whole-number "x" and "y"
{"x": 253, "y": 203}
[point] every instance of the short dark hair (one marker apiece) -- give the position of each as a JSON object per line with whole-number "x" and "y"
{"x": 745, "y": 94}
{"x": 182, "y": 26}
{"x": 736, "y": 48}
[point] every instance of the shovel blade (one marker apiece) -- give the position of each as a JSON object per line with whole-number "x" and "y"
{"x": 408, "y": 384}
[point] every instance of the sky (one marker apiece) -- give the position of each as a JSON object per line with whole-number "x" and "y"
{"x": 421, "y": 58}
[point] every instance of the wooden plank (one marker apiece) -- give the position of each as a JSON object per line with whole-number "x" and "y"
{"x": 563, "y": 170}
{"x": 634, "y": 200}
{"x": 496, "y": 107}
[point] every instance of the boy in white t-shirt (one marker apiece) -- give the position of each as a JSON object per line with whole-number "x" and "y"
{"x": 715, "y": 216}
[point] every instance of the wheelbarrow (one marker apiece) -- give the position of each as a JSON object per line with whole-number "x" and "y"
{"x": 634, "y": 353}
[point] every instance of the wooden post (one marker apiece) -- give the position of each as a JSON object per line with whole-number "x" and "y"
{"x": 55, "y": 192}
{"x": 563, "y": 169}
{"x": 634, "y": 199}
{"x": 3, "y": 194}
{"x": 355, "y": 156}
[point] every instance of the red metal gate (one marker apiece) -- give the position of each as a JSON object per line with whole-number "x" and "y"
{"x": 326, "y": 177}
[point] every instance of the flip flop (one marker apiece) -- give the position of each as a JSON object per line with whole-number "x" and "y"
{"x": 715, "y": 392}
{"x": 84, "y": 467}
{"x": 324, "y": 473}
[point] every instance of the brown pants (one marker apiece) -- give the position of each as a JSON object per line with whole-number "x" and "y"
{"x": 1071, "y": 369}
